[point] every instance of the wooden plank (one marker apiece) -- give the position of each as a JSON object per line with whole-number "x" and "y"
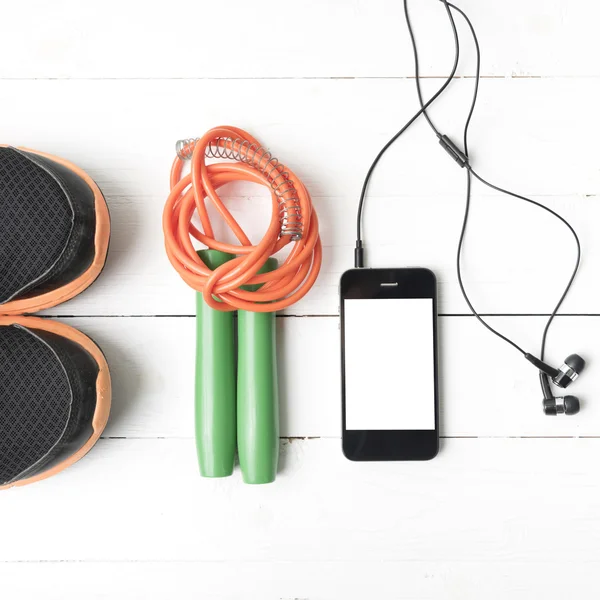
{"x": 282, "y": 579}
{"x": 487, "y": 388}
{"x": 327, "y": 131}
{"x": 489, "y": 501}
{"x": 123, "y": 132}
{"x": 363, "y": 38}
{"x": 516, "y": 259}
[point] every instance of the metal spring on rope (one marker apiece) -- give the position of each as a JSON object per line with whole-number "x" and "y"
{"x": 241, "y": 150}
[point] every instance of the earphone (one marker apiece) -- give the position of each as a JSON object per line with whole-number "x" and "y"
{"x": 566, "y": 374}
{"x": 573, "y": 364}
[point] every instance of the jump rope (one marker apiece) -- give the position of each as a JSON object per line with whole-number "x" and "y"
{"x": 238, "y": 408}
{"x": 573, "y": 364}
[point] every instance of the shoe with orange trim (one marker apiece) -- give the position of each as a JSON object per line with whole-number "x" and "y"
{"x": 54, "y": 230}
{"x": 55, "y": 390}
{"x": 55, "y": 398}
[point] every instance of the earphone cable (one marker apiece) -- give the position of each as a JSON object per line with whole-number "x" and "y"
{"x": 466, "y": 153}
{"x": 471, "y": 171}
{"x": 358, "y": 256}
{"x": 577, "y": 243}
{"x": 415, "y": 51}
{"x": 462, "y": 157}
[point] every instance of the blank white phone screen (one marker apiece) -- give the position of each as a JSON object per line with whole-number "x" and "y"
{"x": 389, "y": 364}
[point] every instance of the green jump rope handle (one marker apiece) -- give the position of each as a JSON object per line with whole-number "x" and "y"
{"x": 215, "y": 382}
{"x": 257, "y": 395}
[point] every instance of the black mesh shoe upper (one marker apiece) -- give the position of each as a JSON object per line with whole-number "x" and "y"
{"x": 47, "y": 400}
{"x": 47, "y": 225}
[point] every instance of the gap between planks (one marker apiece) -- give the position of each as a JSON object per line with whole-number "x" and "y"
{"x": 308, "y": 316}
{"x": 307, "y": 78}
{"x": 335, "y": 437}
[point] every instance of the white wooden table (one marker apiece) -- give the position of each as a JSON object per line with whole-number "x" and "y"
{"x": 511, "y": 507}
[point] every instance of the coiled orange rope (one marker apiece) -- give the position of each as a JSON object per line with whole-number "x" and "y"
{"x": 293, "y": 220}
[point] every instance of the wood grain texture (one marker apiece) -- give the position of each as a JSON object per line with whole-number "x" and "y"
{"x": 315, "y": 580}
{"x": 361, "y": 38}
{"x": 524, "y": 136}
{"x": 488, "y": 389}
{"x": 486, "y": 500}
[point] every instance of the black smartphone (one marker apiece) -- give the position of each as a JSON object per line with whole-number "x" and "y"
{"x": 389, "y": 364}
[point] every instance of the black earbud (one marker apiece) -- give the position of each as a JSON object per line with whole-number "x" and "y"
{"x": 564, "y": 405}
{"x": 568, "y": 372}
{"x": 565, "y": 375}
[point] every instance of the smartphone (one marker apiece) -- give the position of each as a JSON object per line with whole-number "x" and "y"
{"x": 389, "y": 364}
